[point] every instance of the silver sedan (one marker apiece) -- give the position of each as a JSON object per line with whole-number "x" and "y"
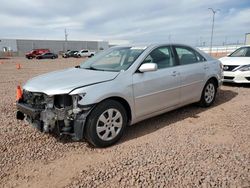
{"x": 118, "y": 87}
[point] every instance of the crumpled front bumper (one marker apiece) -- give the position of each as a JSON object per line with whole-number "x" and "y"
{"x": 25, "y": 109}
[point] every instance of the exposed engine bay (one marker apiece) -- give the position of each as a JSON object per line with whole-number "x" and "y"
{"x": 60, "y": 114}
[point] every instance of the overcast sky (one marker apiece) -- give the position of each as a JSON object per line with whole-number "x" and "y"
{"x": 134, "y": 21}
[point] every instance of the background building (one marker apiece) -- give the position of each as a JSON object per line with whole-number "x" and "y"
{"x": 247, "y": 39}
{"x": 21, "y": 46}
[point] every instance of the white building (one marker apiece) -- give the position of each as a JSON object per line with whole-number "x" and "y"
{"x": 22, "y": 46}
{"x": 247, "y": 39}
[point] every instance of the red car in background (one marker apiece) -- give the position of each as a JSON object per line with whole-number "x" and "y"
{"x": 36, "y": 52}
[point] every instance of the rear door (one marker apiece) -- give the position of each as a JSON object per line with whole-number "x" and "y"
{"x": 192, "y": 73}
{"x": 157, "y": 90}
{"x": 47, "y": 55}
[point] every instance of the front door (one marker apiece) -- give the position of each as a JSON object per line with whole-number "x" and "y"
{"x": 157, "y": 90}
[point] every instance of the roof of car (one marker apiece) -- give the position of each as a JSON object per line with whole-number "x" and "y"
{"x": 150, "y": 45}
{"x": 153, "y": 45}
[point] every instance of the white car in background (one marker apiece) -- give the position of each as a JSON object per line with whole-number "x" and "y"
{"x": 85, "y": 53}
{"x": 236, "y": 66}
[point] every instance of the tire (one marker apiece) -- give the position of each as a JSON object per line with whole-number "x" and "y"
{"x": 208, "y": 94}
{"x": 109, "y": 132}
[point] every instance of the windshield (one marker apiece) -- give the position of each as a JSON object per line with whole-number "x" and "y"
{"x": 241, "y": 52}
{"x": 113, "y": 59}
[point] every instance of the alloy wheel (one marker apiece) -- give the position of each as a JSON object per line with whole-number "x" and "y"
{"x": 209, "y": 93}
{"x": 109, "y": 124}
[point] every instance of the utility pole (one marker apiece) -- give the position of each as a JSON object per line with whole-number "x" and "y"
{"x": 169, "y": 38}
{"x": 65, "y": 34}
{"x": 66, "y": 39}
{"x": 212, "y": 32}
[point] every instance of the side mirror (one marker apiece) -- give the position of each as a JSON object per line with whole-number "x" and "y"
{"x": 148, "y": 67}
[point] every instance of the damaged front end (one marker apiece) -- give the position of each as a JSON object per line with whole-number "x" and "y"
{"x": 60, "y": 114}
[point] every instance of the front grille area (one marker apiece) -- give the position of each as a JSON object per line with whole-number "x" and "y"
{"x": 248, "y": 78}
{"x": 32, "y": 99}
{"x": 229, "y": 67}
{"x": 228, "y": 77}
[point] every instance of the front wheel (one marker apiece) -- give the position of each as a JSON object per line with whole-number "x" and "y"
{"x": 106, "y": 124}
{"x": 208, "y": 94}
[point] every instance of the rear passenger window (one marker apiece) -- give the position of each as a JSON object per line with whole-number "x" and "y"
{"x": 188, "y": 56}
{"x": 162, "y": 56}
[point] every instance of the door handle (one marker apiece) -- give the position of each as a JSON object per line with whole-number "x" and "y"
{"x": 206, "y": 67}
{"x": 174, "y": 73}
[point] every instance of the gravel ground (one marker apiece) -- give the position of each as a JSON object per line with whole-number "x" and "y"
{"x": 189, "y": 147}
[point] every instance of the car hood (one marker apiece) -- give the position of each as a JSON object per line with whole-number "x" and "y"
{"x": 64, "y": 81}
{"x": 235, "y": 60}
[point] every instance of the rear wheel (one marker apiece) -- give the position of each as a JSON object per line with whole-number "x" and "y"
{"x": 106, "y": 123}
{"x": 208, "y": 94}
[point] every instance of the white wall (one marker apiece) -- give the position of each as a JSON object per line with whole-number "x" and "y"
{"x": 59, "y": 45}
{"x": 8, "y": 44}
{"x": 247, "y": 41}
{"x": 221, "y": 49}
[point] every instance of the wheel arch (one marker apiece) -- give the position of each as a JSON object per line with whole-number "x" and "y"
{"x": 124, "y": 103}
{"x": 215, "y": 80}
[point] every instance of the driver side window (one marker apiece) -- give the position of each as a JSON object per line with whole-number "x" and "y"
{"x": 161, "y": 56}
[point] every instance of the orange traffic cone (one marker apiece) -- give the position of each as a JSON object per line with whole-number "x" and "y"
{"x": 18, "y": 66}
{"x": 19, "y": 93}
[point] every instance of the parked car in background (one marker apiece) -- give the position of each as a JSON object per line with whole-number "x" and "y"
{"x": 71, "y": 53}
{"x": 47, "y": 56}
{"x": 36, "y": 52}
{"x": 236, "y": 66}
{"x": 120, "y": 86}
{"x": 85, "y": 53}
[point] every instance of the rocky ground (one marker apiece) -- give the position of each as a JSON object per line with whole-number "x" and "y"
{"x": 189, "y": 147}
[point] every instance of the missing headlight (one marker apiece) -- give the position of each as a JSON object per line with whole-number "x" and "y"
{"x": 62, "y": 101}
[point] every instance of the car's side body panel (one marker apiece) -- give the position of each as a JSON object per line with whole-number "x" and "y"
{"x": 155, "y": 91}
{"x": 120, "y": 87}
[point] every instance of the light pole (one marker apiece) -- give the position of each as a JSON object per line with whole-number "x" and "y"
{"x": 212, "y": 33}
{"x": 66, "y": 39}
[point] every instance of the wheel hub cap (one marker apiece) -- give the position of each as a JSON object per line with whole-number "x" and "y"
{"x": 209, "y": 93}
{"x": 109, "y": 124}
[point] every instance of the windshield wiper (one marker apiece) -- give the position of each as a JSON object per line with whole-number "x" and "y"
{"x": 93, "y": 68}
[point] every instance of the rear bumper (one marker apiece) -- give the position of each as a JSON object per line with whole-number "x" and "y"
{"x": 236, "y": 76}
{"x": 31, "y": 112}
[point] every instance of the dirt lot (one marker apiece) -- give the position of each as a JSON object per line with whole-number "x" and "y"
{"x": 189, "y": 147}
